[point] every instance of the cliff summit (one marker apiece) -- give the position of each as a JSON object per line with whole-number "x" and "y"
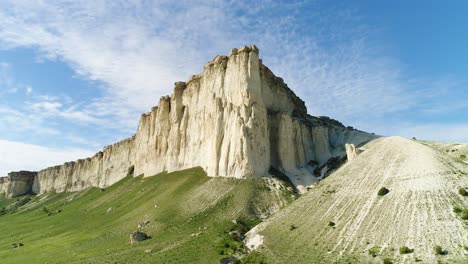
{"x": 235, "y": 119}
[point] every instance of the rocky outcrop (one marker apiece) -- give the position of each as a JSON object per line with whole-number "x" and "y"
{"x": 351, "y": 151}
{"x": 103, "y": 169}
{"x": 235, "y": 119}
{"x": 17, "y": 183}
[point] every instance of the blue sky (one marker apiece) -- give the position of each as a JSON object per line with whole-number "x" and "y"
{"x": 75, "y": 76}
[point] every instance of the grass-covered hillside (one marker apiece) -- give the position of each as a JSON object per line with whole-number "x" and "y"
{"x": 190, "y": 217}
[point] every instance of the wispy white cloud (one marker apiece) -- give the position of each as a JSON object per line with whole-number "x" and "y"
{"x": 20, "y": 156}
{"x": 138, "y": 50}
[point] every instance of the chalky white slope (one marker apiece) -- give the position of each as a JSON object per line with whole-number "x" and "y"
{"x": 417, "y": 212}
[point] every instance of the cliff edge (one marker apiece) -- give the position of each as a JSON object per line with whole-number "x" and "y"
{"x": 235, "y": 119}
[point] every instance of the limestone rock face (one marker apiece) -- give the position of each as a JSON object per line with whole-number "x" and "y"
{"x": 235, "y": 119}
{"x": 351, "y": 151}
{"x": 17, "y": 183}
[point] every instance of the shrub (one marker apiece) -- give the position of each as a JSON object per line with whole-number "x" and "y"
{"x": 462, "y": 192}
{"x": 387, "y": 261}
{"x": 406, "y": 250}
{"x": 254, "y": 258}
{"x": 464, "y": 214}
{"x": 457, "y": 210}
{"x": 439, "y": 251}
{"x": 332, "y": 224}
{"x": 462, "y": 156}
{"x": 383, "y": 191}
{"x": 292, "y": 227}
{"x": 374, "y": 251}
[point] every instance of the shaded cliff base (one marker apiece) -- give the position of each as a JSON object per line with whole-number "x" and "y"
{"x": 189, "y": 217}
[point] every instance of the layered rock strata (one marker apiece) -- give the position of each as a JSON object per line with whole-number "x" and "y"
{"x": 235, "y": 119}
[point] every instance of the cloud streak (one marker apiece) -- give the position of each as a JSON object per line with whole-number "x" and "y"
{"x": 20, "y": 156}
{"x": 137, "y": 50}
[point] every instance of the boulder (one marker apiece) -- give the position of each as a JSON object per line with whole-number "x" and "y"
{"x": 138, "y": 236}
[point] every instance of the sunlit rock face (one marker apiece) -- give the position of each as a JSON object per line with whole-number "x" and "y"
{"x": 235, "y": 119}
{"x": 17, "y": 183}
{"x": 351, "y": 151}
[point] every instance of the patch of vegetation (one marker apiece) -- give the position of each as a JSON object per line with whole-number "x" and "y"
{"x": 374, "y": 251}
{"x": 387, "y": 261}
{"x": 383, "y": 191}
{"x": 254, "y": 258}
{"x": 233, "y": 241}
{"x": 464, "y": 214}
{"x": 406, "y": 250}
{"x": 332, "y": 224}
{"x": 462, "y": 156}
{"x": 462, "y": 192}
{"x": 439, "y": 251}
{"x": 292, "y": 227}
{"x": 15, "y": 206}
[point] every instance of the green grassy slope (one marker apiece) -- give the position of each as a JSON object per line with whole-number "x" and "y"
{"x": 189, "y": 215}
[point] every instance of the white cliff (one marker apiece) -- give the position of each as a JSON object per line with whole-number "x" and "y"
{"x": 17, "y": 183}
{"x": 235, "y": 119}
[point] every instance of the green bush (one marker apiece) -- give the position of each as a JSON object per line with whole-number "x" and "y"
{"x": 292, "y": 227}
{"x": 457, "y": 210}
{"x": 462, "y": 156}
{"x": 332, "y": 224}
{"x": 387, "y": 261}
{"x": 464, "y": 214}
{"x": 383, "y": 191}
{"x": 254, "y": 258}
{"x": 406, "y": 250}
{"x": 439, "y": 251}
{"x": 374, "y": 251}
{"x": 462, "y": 192}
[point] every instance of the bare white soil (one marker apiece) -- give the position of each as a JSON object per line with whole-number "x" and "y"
{"x": 417, "y": 212}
